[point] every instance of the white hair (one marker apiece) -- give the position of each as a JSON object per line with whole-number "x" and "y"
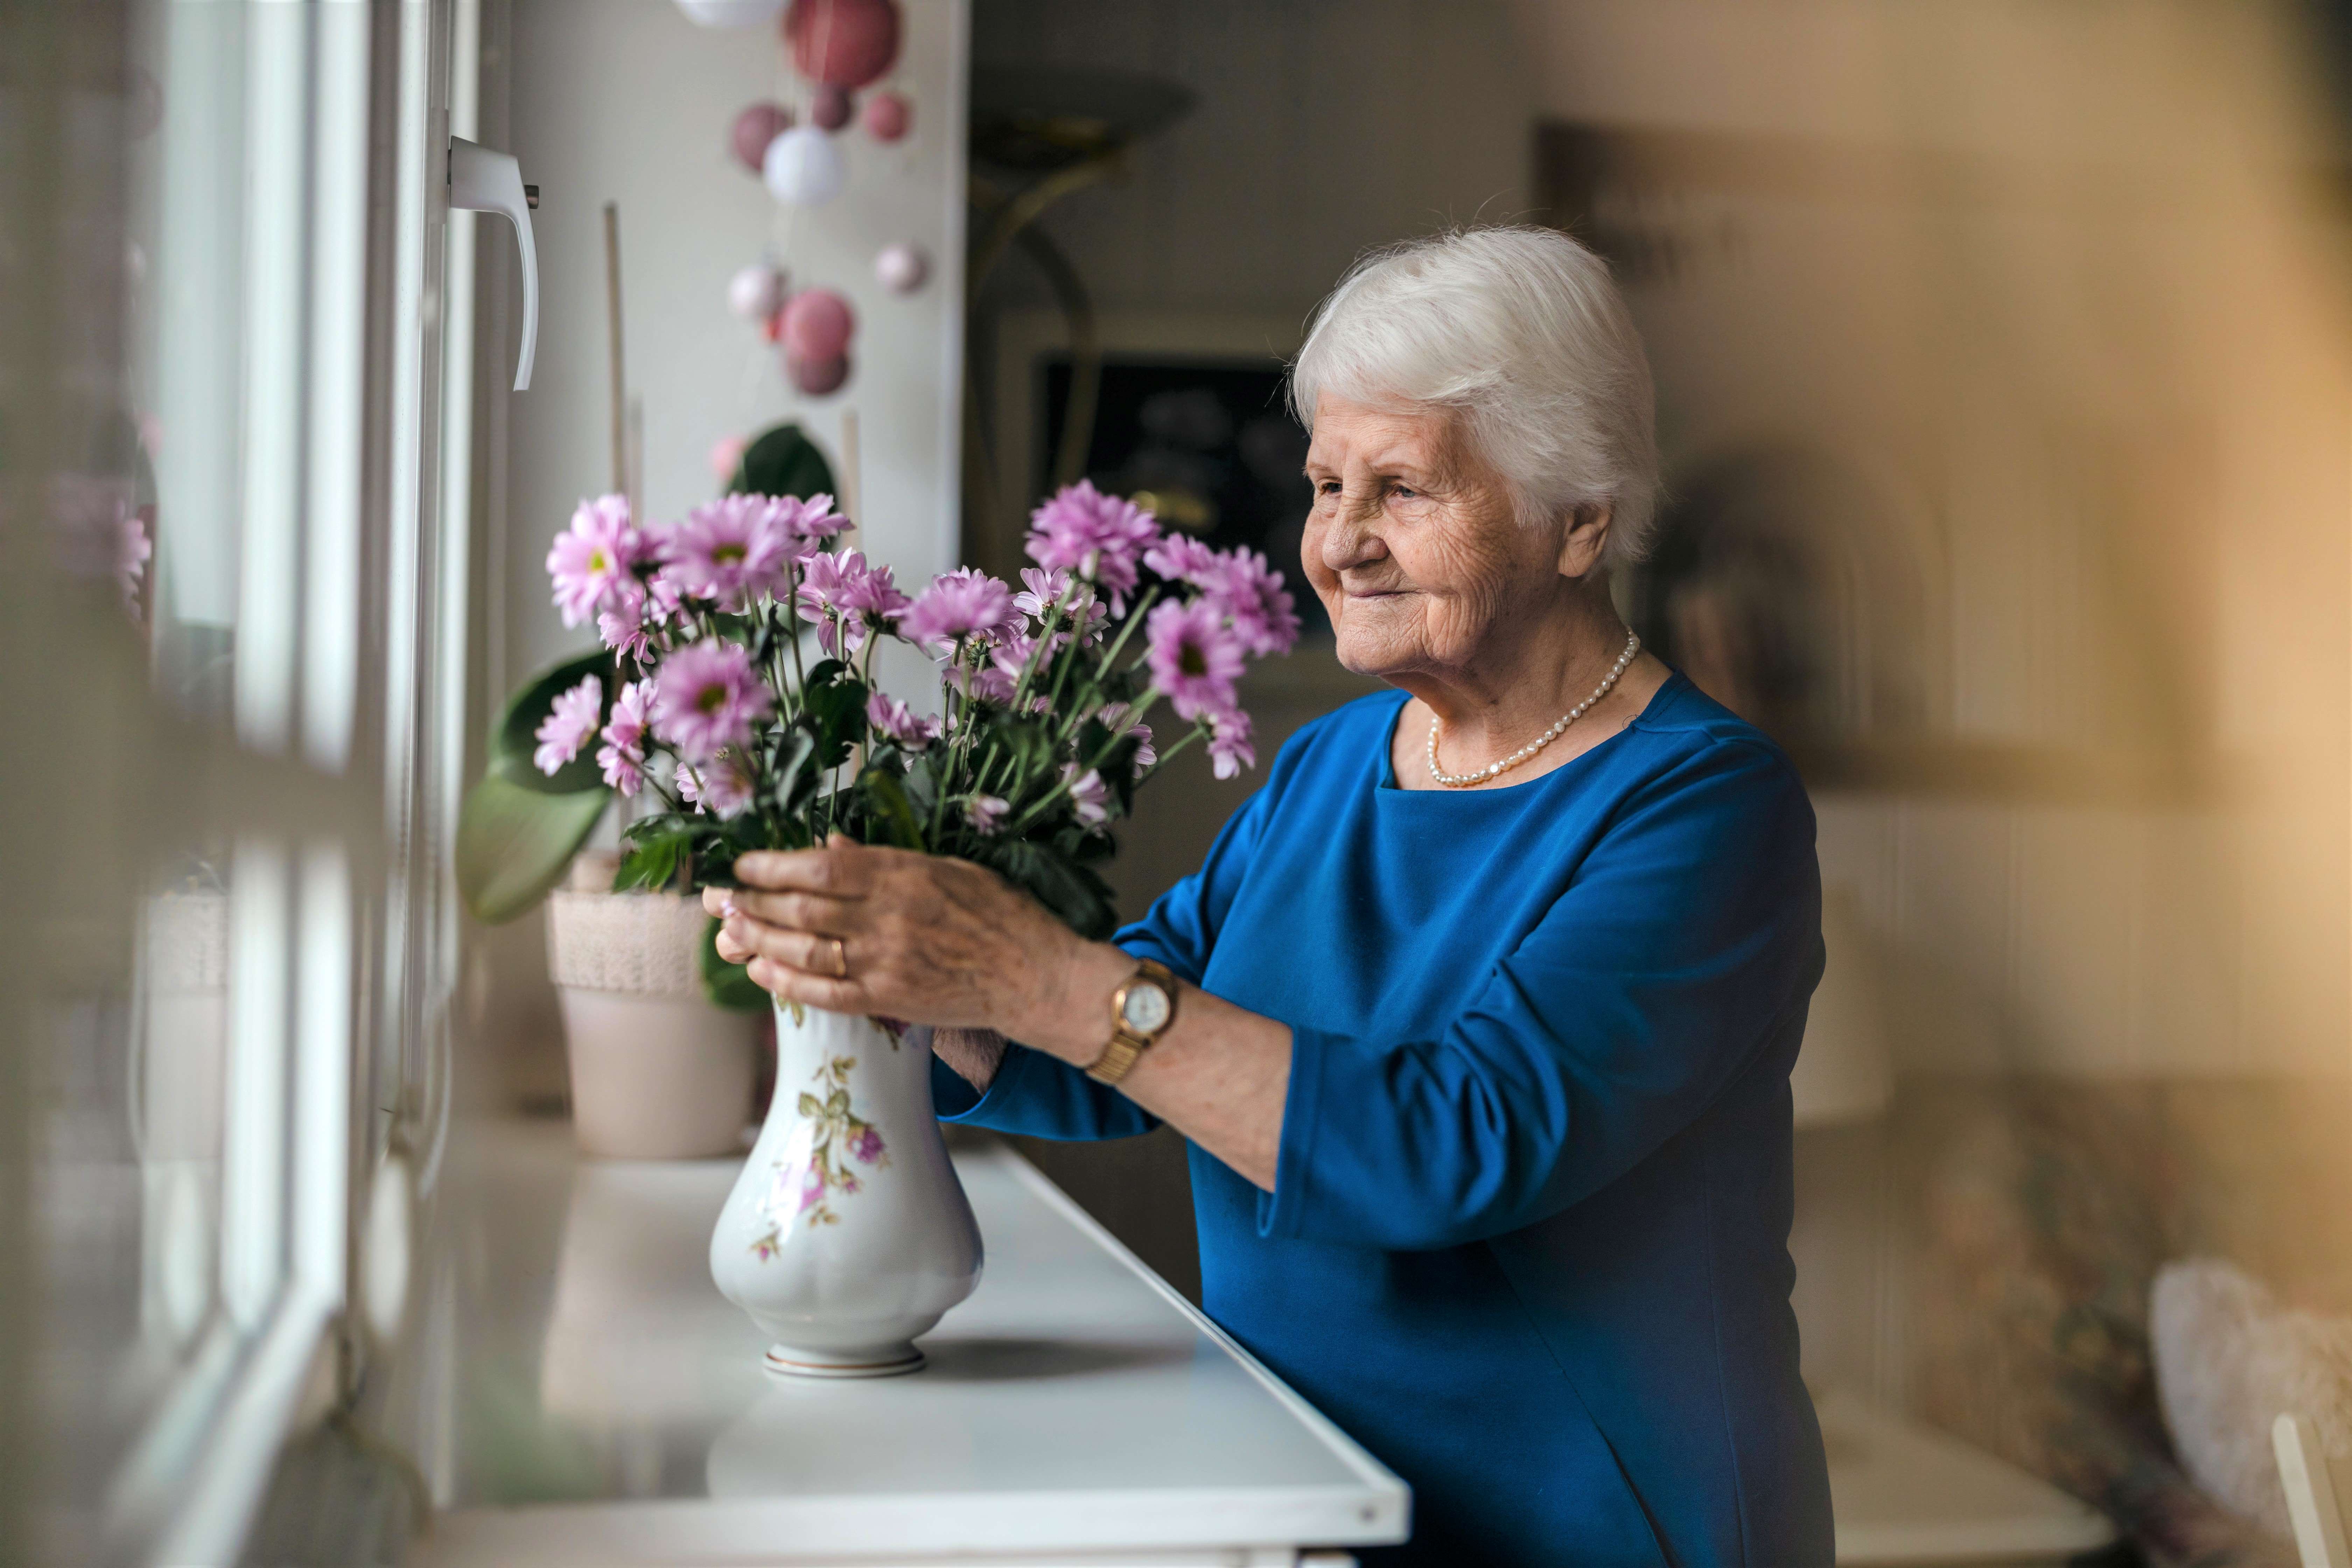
{"x": 1522, "y": 332}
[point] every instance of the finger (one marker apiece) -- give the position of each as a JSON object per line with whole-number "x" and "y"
{"x": 720, "y": 901}
{"x": 801, "y": 950}
{"x": 731, "y": 950}
{"x": 811, "y": 990}
{"x": 800, "y": 912}
{"x": 842, "y": 868}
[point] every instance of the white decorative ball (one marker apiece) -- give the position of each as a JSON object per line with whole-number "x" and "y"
{"x": 756, "y": 293}
{"x": 803, "y": 167}
{"x": 902, "y": 268}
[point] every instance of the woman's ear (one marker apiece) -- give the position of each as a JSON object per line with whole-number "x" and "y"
{"x": 1585, "y": 540}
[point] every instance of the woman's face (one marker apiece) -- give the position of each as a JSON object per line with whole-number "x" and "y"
{"x": 1413, "y": 544}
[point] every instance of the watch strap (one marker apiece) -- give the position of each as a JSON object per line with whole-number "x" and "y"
{"x": 1127, "y": 1047}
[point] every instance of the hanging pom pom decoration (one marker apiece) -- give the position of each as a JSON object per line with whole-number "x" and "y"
{"x": 830, "y": 107}
{"x": 846, "y": 43}
{"x": 819, "y": 377}
{"x": 756, "y": 293}
{"x": 802, "y": 167}
{"x": 817, "y": 326}
{"x": 726, "y": 456}
{"x": 901, "y": 269}
{"x": 887, "y": 116}
{"x": 753, "y": 129}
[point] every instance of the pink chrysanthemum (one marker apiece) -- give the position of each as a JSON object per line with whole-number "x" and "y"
{"x": 894, "y": 718}
{"x": 812, "y": 520}
{"x": 1112, "y": 715}
{"x": 595, "y": 561}
{"x": 1194, "y": 656}
{"x": 986, "y": 813}
{"x": 986, "y": 684}
{"x": 1229, "y": 744}
{"x": 1089, "y": 793}
{"x": 624, "y": 626}
{"x": 720, "y": 786}
{"x": 1012, "y": 655}
{"x": 958, "y": 604}
{"x": 707, "y": 696}
{"x": 842, "y": 591}
{"x": 1101, "y": 537}
{"x": 732, "y": 551}
{"x": 572, "y": 725}
{"x": 1181, "y": 558}
{"x": 1248, "y": 589}
{"x": 622, "y": 754}
{"x": 867, "y": 1147}
{"x": 1043, "y": 590}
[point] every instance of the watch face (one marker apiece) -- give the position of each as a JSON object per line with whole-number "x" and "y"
{"x": 1146, "y": 1009}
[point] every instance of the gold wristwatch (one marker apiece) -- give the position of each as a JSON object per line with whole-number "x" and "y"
{"x": 1140, "y": 1012}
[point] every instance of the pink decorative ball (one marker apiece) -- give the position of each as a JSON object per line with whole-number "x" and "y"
{"x": 816, "y": 378}
{"x": 753, "y": 129}
{"x": 726, "y": 456}
{"x": 818, "y": 325}
{"x": 887, "y": 115}
{"x": 829, "y": 108}
{"x": 902, "y": 268}
{"x": 848, "y": 43}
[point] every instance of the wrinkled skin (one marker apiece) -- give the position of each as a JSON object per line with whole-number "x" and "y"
{"x": 926, "y": 939}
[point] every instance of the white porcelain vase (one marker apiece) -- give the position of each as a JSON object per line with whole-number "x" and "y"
{"x": 847, "y": 1234}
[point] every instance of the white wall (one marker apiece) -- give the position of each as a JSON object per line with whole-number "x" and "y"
{"x": 626, "y": 100}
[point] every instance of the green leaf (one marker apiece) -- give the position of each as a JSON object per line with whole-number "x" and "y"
{"x": 783, "y": 461}
{"x": 792, "y": 767}
{"x": 837, "y": 1102}
{"x": 516, "y": 736}
{"x": 810, "y": 1105}
{"x": 891, "y": 807}
{"x": 651, "y": 863}
{"x": 727, "y": 985}
{"x": 922, "y": 786}
{"x": 514, "y": 845}
{"x": 1078, "y": 896}
{"x": 839, "y": 712}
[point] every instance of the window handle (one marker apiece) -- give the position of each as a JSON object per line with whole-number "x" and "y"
{"x": 486, "y": 181}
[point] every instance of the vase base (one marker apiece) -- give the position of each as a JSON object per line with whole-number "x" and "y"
{"x": 886, "y": 1362}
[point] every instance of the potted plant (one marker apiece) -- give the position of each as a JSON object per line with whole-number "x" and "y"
{"x": 847, "y": 1234}
{"x": 661, "y": 1038}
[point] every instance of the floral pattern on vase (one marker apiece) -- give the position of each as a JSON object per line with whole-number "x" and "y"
{"x": 846, "y": 1234}
{"x": 821, "y": 1162}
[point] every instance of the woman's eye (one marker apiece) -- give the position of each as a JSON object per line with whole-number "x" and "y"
{"x": 1405, "y": 492}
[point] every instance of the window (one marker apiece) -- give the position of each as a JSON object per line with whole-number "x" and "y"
{"x": 245, "y": 582}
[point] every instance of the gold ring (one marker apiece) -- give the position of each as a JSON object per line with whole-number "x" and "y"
{"x": 840, "y": 960}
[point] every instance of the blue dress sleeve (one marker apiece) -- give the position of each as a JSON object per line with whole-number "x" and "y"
{"x": 1041, "y": 1096}
{"x": 1676, "y": 953}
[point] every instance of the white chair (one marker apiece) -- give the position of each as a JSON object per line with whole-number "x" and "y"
{"x": 2314, "y": 1482}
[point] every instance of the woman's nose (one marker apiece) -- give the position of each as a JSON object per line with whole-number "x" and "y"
{"x": 1350, "y": 541}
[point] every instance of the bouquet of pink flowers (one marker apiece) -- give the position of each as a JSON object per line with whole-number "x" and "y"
{"x": 709, "y": 710}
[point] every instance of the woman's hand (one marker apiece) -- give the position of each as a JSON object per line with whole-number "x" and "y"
{"x": 859, "y": 928}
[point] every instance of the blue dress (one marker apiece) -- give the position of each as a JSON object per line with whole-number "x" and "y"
{"x": 1528, "y": 1241}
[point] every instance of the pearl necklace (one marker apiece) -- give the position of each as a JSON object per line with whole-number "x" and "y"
{"x": 1462, "y": 781}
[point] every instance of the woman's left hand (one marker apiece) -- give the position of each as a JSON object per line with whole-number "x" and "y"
{"x": 859, "y": 928}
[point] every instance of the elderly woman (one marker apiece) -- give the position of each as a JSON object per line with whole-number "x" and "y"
{"x": 1479, "y": 1016}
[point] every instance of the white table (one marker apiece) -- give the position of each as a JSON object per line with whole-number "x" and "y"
{"x": 604, "y": 1405}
